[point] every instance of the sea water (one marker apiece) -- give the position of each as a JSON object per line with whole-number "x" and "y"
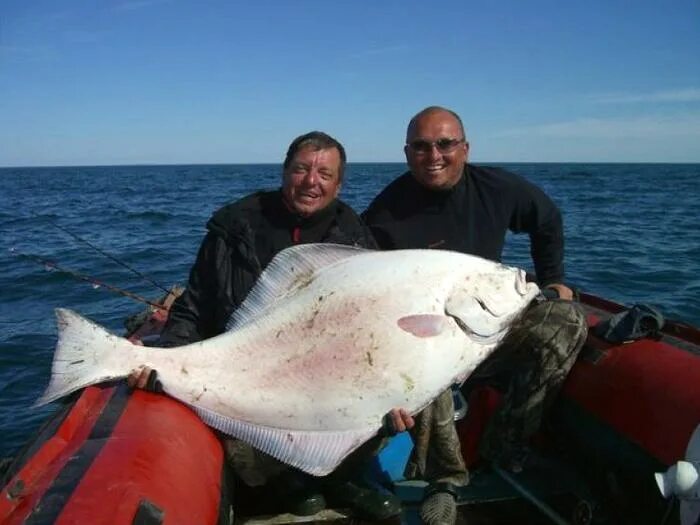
{"x": 631, "y": 230}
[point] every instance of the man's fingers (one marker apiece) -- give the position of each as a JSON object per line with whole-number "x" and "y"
{"x": 139, "y": 378}
{"x": 143, "y": 377}
{"x": 133, "y": 377}
{"x": 397, "y": 421}
{"x": 567, "y": 294}
{"x": 406, "y": 419}
{"x": 389, "y": 423}
{"x": 564, "y": 291}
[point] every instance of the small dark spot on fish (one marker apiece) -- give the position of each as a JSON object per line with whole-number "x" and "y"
{"x": 310, "y": 323}
{"x": 408, "y": 382}
{"x": 279, "y": 333}
{"x": 77, "y": 362}
{"x": 369, "y": 359}
{"x": 184, "y": 370}
{"x": 290, "y": 438}
{"x": 302, "y": 280}
{"x": 201, "y": 394}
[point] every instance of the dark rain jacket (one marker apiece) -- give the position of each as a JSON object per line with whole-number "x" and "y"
{"x": 472, "y": 217}
{"x": 242, "y": 239}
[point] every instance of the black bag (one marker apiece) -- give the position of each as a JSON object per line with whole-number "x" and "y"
{"x": 639, "y": 321}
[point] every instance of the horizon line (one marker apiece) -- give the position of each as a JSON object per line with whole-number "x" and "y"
{"x": 157, "y": 164}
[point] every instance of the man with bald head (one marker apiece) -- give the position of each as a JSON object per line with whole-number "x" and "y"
{"x": 446, "y": 203}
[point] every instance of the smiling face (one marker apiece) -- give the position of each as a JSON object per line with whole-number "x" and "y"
{"x": 312, "y": 179}
{"x": 436, "y": 149}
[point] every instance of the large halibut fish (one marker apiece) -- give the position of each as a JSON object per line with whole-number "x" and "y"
{"x": 329, "y": 340}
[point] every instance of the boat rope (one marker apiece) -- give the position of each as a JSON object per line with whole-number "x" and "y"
{"x": 105, "y": 254}
{"x": 96, "y": 283}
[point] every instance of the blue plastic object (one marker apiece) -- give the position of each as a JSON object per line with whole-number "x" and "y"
{"x": 389, "y": 465}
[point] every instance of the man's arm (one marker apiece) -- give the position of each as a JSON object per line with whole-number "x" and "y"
{"x": 537, "y": 215}
{"x": 192, "y": 315}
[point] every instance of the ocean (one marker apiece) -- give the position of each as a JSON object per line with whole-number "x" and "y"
{"x": 632, "y": 235}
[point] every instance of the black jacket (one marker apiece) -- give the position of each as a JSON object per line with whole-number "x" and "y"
{"x": 242, "y": 239}
{"x": 472, "y": 217}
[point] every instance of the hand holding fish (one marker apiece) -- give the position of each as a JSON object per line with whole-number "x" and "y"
{"x": 145, "y": 378}
{"x": 564, "y": 291}
{"x": 396, "y": 421}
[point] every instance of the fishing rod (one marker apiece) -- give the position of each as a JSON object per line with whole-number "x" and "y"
{"x": 102, "y": 252}
{"x": 96, "y": 283}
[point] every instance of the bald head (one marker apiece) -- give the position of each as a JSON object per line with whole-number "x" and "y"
{"x": 429, "y": 111}
{"x": 436, "y": 149}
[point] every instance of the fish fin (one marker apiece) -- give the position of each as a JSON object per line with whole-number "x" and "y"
{"x": 82, "y": 356}
{"x": 423, "y": 325}
{"x": 289, "y": 270}
{"x": 315, "y": 452}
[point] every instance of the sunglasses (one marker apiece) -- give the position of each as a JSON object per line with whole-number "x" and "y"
{"x": 443, "y": 145}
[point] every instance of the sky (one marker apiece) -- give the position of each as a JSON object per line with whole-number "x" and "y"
{"x": 182, "y": 82}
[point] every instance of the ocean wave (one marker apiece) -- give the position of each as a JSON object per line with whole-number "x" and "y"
{"x": 148, "y": 215}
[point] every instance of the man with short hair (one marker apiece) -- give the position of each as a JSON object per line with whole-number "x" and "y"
{"x": 245, "y": 235}
{"x": 242, "y": 239}
{"x": 444, "y": 202}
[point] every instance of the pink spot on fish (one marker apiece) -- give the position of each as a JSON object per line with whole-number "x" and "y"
{"x": 423, "y": 325}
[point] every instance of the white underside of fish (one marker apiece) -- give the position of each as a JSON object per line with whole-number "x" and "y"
{"x": 328, "y": 342}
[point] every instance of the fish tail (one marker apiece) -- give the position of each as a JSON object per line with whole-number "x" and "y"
{"x": 84, "y": 356}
